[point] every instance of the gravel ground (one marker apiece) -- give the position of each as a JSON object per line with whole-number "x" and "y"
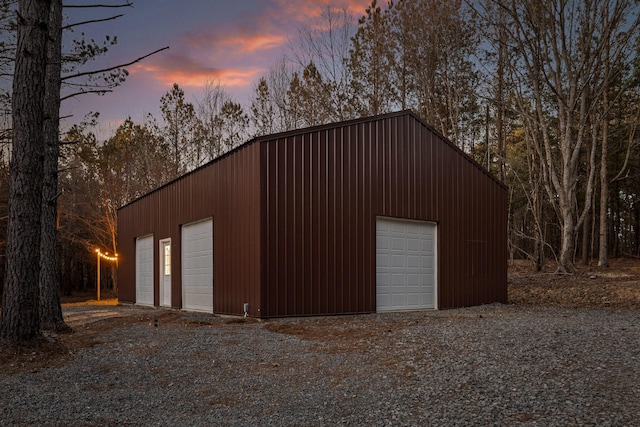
{"x": 490, "y": 365}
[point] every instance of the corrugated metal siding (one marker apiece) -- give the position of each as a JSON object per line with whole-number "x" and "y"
{"x": 227, "y": 190}
{"x": 294, "y": 218}
{"x": 325, "y": 187}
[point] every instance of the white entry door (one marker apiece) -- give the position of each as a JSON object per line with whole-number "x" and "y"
{"x": 165, "y": 273}
{"x": 197, "y": 266}
{"x": 405, "y": 265}
{"x": 144, "y": 270}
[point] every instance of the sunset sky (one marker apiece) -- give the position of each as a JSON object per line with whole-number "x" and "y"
{"x": 233, "y": 41}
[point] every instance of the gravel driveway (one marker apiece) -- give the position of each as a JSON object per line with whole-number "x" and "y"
{"x": 490, "y": 365}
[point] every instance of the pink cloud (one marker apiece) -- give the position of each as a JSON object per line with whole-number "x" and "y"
{"x": 304, "y": 10}
{"x": 237, "y": 54}
{"x": 232, "y": 42}
{"x": 190, "y": 74}
{"x": 254, "y": 43}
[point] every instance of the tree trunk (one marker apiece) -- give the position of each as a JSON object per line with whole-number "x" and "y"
{"x": 586, "y": 259}
{"x": 20, "y": 316}
{"x": 567, "y": 242}
{"x": 558, "y": 48}
{"x": 585, "y": 239}
{"x": 500, "y": 115}
{"x": 617, "y": 223}
{"x": 539, "y": 258}
{"x": 50, "y": 310}
{"x": 603, "y": 261}
{"x": 636, "y": 234}
{"x": 603, "y": 250}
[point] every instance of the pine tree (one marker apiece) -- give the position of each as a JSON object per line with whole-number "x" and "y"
{"x": 262, "y": 114}
{"x": 20, "y": 305}
{"x": 50, "y": 310}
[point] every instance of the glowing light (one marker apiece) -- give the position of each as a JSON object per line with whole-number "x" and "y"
{"x": 106, "y": 256}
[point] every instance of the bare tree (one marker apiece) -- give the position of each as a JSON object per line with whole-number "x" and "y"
{"x": 208, "y": 111}
{"x": 560, "y": 46}
{"x": 618, "y": 52}
{"x": 325, "y": 43}
{"x": 276, "y": 101}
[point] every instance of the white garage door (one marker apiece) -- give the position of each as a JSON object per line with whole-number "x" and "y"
{"x": 144, "y": 270}
{"x": 197, "y": 266}
{"x": 405, "y": 265}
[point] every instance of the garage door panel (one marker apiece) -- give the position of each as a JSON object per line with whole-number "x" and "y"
{"x": 398, "y": 300}
{"x": 414, "y": 301}
{"x": 414, "y": 280}
{"x": 427, "y": 246}
{"x": 427, "y": 300}
{"x": 382, "y": 260}
{"x": 427, "y": 261}
{"x": 413, "y": 261}
{"x": 413, "y": 235}
{"x": 428, "y": 280}
{"x": 199, "y": 262}
{"x": 414, "y": 244}
{"x": 383, "y": 280}
{"x": 144, "y": 271}
{"x": 405, "y": 269}
{"x": 383, "y": 299}
{"x": 397, "y": 261}
{"x": 197, "y": 266}
{"x": 398, "y": 280}
{"x": 384, "y": 244}
{"x": 398, "y": 243}
{"x": 395, "y": 227}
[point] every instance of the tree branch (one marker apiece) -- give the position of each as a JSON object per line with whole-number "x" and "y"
{"x": 6, "y": 133}
{"x": 101, "y": 92}
{"x": 54, "y": 198}
{"x": 104, "y": 70}
{"x": 86, "y": 6}
{"x": 93, "y": 21}
{"x": 631, "y": 138}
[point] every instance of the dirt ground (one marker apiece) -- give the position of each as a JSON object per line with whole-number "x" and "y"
{"x": 617, "y": 287}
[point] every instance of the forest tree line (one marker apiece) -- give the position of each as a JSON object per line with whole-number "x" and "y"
{"x": 542, "y": 93}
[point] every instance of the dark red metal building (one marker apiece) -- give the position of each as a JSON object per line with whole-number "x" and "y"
{"x": 375, "y": 214}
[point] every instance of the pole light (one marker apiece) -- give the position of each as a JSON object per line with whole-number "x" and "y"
{"x": 106, "y": 257}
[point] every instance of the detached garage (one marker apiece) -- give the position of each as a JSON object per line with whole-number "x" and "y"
{"x": 376, "y": 214}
